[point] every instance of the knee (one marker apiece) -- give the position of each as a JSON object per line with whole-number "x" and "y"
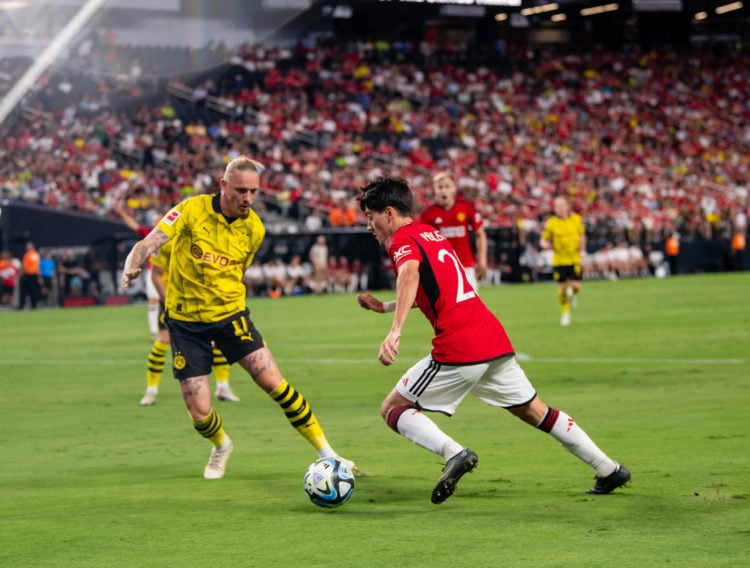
{"x": 532, "y": 413}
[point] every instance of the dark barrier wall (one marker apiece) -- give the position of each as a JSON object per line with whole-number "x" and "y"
{"x": 47, "y": 228}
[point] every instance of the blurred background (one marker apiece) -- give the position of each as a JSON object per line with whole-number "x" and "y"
{"x": 112, "y": 111}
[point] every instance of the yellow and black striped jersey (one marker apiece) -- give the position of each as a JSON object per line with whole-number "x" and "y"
{"x": 209, "y": 257}
{"x": 565, "y": 236}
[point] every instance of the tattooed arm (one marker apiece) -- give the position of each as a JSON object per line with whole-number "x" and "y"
{"x": 139, "y": 254}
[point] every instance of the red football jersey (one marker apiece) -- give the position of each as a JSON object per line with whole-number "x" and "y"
{"x": 466, "y": 331}
{"x": 455, "y": 224}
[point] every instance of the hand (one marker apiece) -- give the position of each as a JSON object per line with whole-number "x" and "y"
{"x": 370, "y": 302}
{"x": 389, "y": 348}
{"x": 128, "y": 276}
{"x": 480, "y": 269}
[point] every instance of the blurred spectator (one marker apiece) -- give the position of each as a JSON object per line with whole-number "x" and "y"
{"x": 318, "y": 256}
{"x": 342, "y": 214}
{"x": 48, "y": 271}
{"x": 532, "y": 263}
{"x": 72, "y": 273}
{"x": 672, "y": 252}
{"x": 255, "y": 280}
{"x": 10, "y": 269}
{"x": 299, "y": 281}
{"x": 30, "y": 277}
{"x": 275, "y": 274}
{"x": 313, "y": 221}
{"x": 340, "y": 273}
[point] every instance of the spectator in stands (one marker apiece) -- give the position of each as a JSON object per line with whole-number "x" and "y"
{"x": 318, "y": 256}
{"x": 343, "y": 279}
{"x": 672, "y": 252}
{"x": 299, "y": 274}
{"x": 597, "y": 136}
{"x": 31, "y": 278}
{"x": 275, "y": 274}
{"x": 10, "y": 269}
{"x": 72, "y": 273}
{"x": 255, "y": 280}
{"x": 313, "y": 221}
{"x": 342, "y": 214}
{"x": 48, "y": 271}
{"x": 506, "y": 271}
{"x": 532, "y": 263}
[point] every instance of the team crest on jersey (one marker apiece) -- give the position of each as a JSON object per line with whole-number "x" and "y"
{"x": 461, "y": 216}
{"x": 171, "y": 217}
{"x": 401, "y": 253}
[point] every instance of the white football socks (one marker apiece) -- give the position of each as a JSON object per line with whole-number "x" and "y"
{"x": 578, "y": 443}
{"x": 416, "y": 427}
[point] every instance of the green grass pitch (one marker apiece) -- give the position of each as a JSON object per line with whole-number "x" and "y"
{"x": 656, "y": 371}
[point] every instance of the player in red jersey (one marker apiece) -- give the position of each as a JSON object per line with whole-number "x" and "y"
{"x": 471, "y": 352}
{"x": 456, "y": 218}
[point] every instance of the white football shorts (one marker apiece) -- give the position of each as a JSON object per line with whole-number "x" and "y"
{"x": 471, "y": 275}
{"x": 441, "y": 388}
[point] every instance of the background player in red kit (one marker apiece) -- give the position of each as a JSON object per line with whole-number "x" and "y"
{"x": 471, "y": 352}
{"x": 456, "y": 218}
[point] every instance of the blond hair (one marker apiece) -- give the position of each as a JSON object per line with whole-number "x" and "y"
{"x": 443, "y": 175}
{"x": 243, "y": 164}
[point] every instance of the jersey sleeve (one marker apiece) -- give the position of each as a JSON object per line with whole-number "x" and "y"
{"x": 173, "y": 220}
{"x": 401, "y": 250}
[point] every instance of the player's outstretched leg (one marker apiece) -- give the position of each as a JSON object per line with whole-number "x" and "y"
{"x": 411, "y": 423}
{"x": 609, "y": 474}
{"x": 301, "y": 417}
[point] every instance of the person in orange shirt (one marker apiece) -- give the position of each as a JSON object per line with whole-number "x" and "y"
{"x": 342, "y": 215}
{"x": 31, "y": 278}
{"x": 737, "y": 245}
{"x": 672, "y": 251}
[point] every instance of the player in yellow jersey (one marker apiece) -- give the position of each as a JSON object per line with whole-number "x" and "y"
{"x": 217, "y": 237}
{"x": 565, "y": 235}
{"x": 157, "y": 355}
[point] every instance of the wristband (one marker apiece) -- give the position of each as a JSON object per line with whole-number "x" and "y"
{"x": 389, "y": 306}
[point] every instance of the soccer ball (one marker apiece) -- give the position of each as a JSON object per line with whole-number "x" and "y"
{"x": 328, "y": 482}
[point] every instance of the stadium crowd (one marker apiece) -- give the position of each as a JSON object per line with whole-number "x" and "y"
{"x": 644, "y": 144}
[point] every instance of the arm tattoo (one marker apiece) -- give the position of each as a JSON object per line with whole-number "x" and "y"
{"x": 145, "y": 248}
